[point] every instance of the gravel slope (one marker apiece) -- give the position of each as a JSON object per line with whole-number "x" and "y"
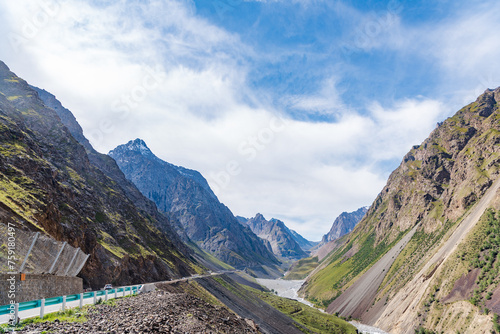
{"x": 154, "y": 312}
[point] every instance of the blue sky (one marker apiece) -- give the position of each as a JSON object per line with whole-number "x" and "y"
{"x": 296, "y": 109}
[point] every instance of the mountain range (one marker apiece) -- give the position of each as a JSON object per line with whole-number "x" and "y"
{"x": 282, "y": 241}
{"x": 187, "y": 196}
{"x": 424, "y": 257}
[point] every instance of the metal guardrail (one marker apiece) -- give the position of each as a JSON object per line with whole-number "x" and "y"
{"x": 14, "y": 309}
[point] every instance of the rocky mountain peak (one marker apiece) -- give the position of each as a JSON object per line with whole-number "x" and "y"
{"x": 344, "y": 224}
{"x": 3, "y": 67}
{"x": 278, "y": 222}
{"x": 259, "y": 217}
{"x": 282, "y": 241}
{"x": 185, "y": 194}
{"x": 138, "y": 145}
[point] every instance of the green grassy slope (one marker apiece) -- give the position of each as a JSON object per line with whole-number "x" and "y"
{"x": 302, "y": 268}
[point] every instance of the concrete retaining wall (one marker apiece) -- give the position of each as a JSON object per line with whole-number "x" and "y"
{"x": 37, "y": 287}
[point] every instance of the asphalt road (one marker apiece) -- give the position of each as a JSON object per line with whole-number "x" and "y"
{"x": 35, "y": 312}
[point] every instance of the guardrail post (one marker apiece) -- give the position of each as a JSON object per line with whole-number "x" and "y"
{"x": 116, "y": 293}
{"x": 42, "y": 308}
{"x": 64, "y": 304}
{"x": 81, "y": 300}
{"x": 106, "y": 295}
{"x": 95, "y": 297}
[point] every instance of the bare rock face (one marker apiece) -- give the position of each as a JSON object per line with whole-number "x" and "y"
{"x": 344, "y": 224}
{"x": 280, "y": 238}
{"x": 450, "y": 169}
{"x": 186, "y": 195}
{"x": 49, "y": 183}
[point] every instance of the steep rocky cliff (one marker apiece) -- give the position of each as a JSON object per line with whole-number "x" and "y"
{"x": 282, "y": 242}
{"x": 49, "y": 183}
{"x": 187, "y": 195}
{"x": 400, "y": 264}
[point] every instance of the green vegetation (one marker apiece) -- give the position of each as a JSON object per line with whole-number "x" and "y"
{"x": 487, "y": 259}
{"x": 496, "y": 324}
{"x": 474, "y": 253}
{"x": 209, "y": 257}
{"x": 422, "y": 330}
{"x": 302, "y": 268}
{"x": 408, "y": 261}
{"x": 108, "y": 242}
{"x": 325, "y": 286}
{"x": 70, "y": 315}
{"x": 309, "y": 317}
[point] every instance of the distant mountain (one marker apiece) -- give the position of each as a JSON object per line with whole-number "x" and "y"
{"x": 187, "y": 196}
{"x": 303, "y": 242}
{"x": 282, "y": 241}
{"x": 344, "y": 224}
{"x": 51, "y": 182}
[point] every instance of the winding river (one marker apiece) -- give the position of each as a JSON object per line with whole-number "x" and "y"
{"x": 289, "y": 289}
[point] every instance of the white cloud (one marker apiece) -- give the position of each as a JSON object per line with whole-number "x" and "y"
{"x": 327, "y": 101}
{"x": 304, "y": 173}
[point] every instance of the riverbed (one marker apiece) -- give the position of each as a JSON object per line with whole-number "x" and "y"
{"x": 289, "y": 289}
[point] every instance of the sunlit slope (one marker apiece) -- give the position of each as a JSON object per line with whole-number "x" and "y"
{"x": 432, "y": 190}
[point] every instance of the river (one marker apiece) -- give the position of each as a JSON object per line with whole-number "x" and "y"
{"x": 289, "y": 289}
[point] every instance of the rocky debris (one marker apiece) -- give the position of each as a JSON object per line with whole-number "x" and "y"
{"x": 154, "y": 312}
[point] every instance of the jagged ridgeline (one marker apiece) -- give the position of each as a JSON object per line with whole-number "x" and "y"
{"x": 49, "y": 182}
{"x": 186, "y": 195}
{"x": 430, "y": 208}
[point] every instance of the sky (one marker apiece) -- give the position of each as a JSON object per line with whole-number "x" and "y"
{"x": 296, "y": 109}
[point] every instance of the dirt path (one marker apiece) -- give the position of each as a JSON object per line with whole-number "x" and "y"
{"x": 397, "y": 316}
